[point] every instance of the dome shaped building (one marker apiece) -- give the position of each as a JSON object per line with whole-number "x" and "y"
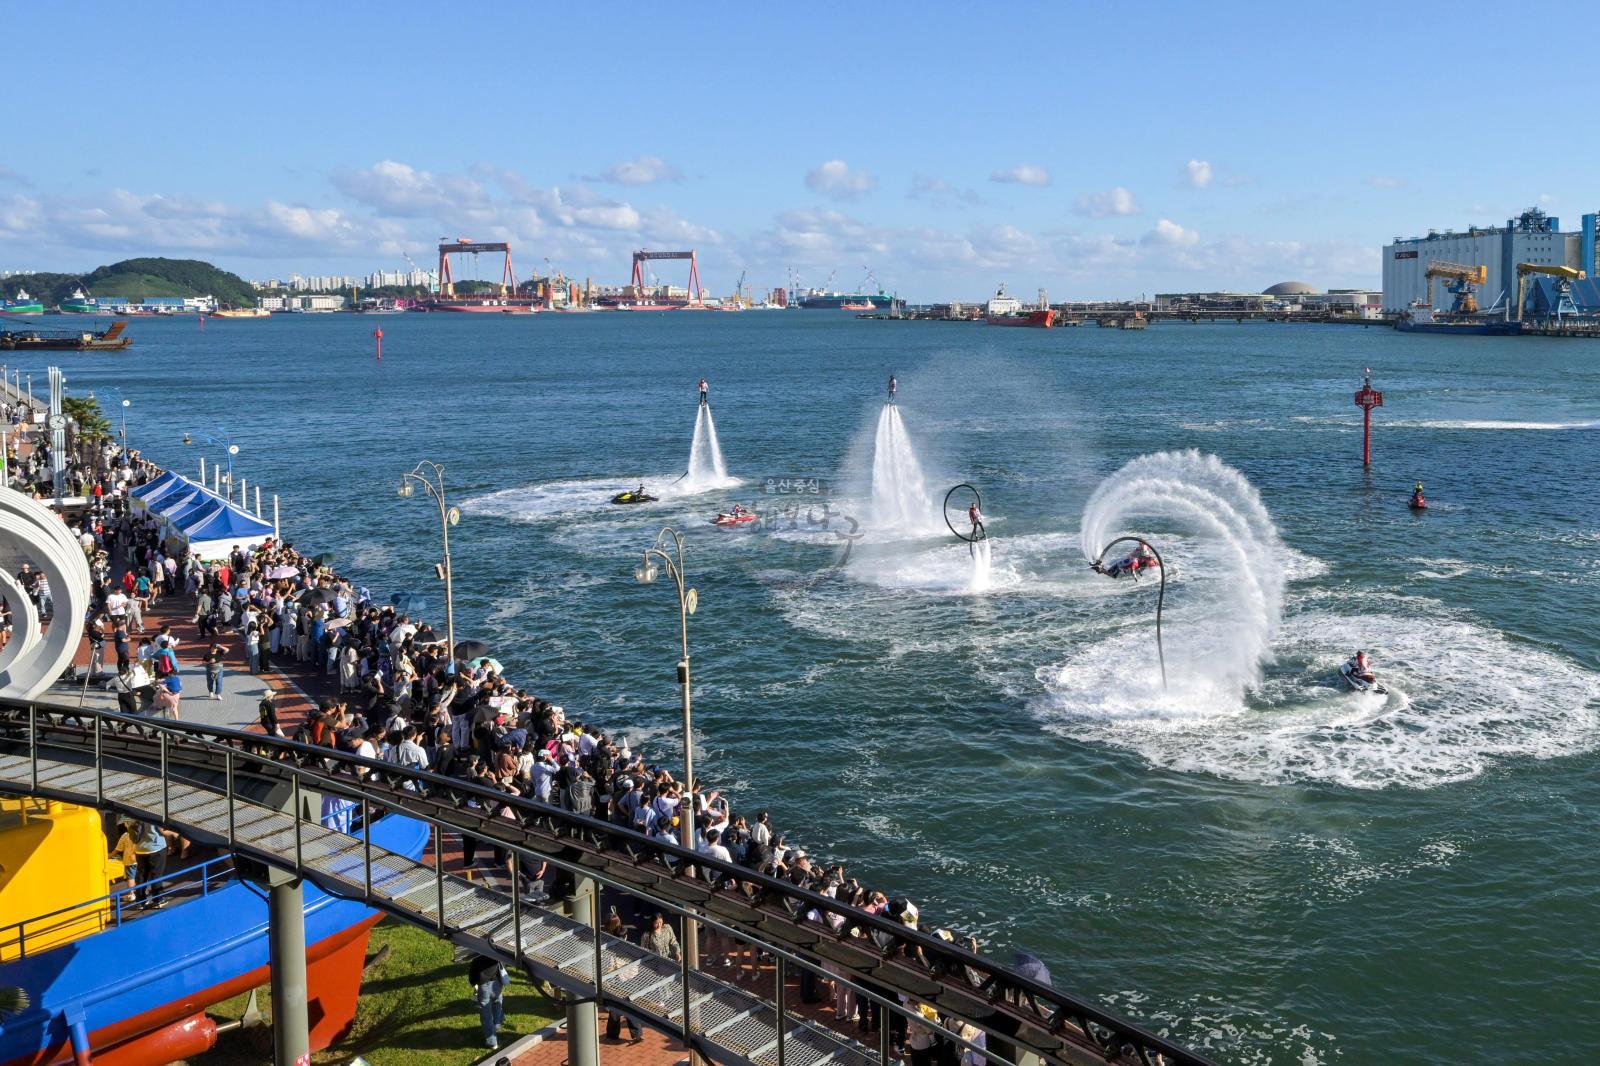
{"x": 1289, "y": 288}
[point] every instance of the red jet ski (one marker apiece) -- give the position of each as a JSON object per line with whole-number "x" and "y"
{"x": 736, "y": 517}
{"x": 1418, "y": 504}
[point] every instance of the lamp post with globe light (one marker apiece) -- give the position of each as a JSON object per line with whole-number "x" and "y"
{"x": 430, "y": 476}
{"x": 688, "y": 599}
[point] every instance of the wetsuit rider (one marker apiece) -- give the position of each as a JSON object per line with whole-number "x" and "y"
{"x": 893, "y": 385}
{"x": 1416, "y": 495}
{"x": 704, "y": 391}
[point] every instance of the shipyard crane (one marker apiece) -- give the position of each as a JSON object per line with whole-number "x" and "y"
{"x": 738, "y": 289}
{"x": 870, "y": 283}
{"x": 1464, "y": 281}
{"x": 1566, "y": 274}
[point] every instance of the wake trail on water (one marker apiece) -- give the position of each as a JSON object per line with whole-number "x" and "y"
{"x": 1253, "y": 672}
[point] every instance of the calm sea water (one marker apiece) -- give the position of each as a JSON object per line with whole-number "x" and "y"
{"x": 1272, "y": 870}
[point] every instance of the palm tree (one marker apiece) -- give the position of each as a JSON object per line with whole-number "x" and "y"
{"x": 13, "y": 1000}
{"x": 93, "y": 425}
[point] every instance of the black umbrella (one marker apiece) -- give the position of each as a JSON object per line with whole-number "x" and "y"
{"x": 471, "y": 649}
{"x": 425, "y": 635}
{"x": 313, "y": 597}
{"x": 325, "y": 559}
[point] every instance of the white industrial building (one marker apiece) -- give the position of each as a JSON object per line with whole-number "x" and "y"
{"x": 1531, "y": 237}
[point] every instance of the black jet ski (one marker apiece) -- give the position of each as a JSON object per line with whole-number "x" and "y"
{"x": 634, "y": 497}
{"x": 1129, "y": 564}
{"x": 1356, "y": 683}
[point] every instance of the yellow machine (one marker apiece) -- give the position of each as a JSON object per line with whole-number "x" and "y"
{"x": 1463, "y": 279}
{"x": 1524, "y": 269}
{"x": 53, "y": 857}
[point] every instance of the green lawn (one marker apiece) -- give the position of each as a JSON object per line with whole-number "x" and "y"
{"x": 415, "y": 1010}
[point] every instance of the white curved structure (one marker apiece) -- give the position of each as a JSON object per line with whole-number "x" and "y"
{"x": 36, "y": 656}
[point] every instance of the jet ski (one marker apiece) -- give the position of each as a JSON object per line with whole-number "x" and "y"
{"x": 737, "y": 517}
{"x": 1129, "y": 564}
{"x": 1418, "y": 504}
{"x": 632, "y": 496}
{"x": 1356, "y": 683}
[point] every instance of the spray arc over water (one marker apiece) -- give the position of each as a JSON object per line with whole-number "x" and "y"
{"x": 900, "y": 500}
{"x": 1234, "y": 609}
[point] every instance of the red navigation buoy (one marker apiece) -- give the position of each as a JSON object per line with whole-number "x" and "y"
{"x": 1366, "y": 399}
{"x": 377, "y": 335}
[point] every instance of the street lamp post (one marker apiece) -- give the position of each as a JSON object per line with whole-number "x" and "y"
{"x": 229, "y": 448}
{"x": 430, "y": 475}
{"x": 688, "y": 599}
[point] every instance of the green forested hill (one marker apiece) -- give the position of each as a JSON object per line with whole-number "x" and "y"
{"x": 139, "y": 277}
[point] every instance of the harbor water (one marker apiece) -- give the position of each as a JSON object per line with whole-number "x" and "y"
{"x": 1248, "y": 859}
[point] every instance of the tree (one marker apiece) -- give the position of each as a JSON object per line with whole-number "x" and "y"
{"x": 93, "y": 425}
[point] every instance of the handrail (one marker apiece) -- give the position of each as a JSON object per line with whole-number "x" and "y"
{"x": 885, "y": 945}
{"x": 114, "y": 897}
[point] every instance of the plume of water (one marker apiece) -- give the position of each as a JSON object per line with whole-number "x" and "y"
{"x": 706, "y": 469}
{"x": 899, "y": 494}
{"x": 982, "y": 566}
{"x": 1203, "y": 495}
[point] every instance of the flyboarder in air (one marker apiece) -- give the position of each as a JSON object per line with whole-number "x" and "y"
{"x": 893, "y": 385}
{"x": 704, "y": 392}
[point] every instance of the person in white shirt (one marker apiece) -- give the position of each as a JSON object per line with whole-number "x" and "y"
{"x": 117, "y": 604}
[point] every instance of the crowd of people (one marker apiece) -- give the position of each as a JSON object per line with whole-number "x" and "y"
{"x": 405, "y": 697}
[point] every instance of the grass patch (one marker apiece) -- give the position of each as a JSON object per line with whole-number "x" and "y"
{"x": 415, "y": 1010}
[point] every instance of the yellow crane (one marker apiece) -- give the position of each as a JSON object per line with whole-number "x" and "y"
{"x": 1463, "y": 278}
{"x": 1524, "y": 269}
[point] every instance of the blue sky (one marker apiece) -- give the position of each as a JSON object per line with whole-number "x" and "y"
{"x": 1102, "y": 150}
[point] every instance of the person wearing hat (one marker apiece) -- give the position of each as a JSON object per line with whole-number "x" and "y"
{"x": 266, "y": 710}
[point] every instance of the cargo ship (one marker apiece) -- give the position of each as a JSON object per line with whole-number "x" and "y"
{"x": 22, "y": 305}
{"x": 109, "y": 982}
{"x": 1420, "y": 317}
{"x": 1006, "y": 310}
{"x": 241, "y": 312}
{"x": 486, "y": 305}
{"x": 66, "y": 340}
{"x": 79, "y": 304}
{"x": 818, "y": 300}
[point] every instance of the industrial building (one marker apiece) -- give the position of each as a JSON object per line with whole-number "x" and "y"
{"x": 1531, "y": 237}
{"x": 1286, "y": 297}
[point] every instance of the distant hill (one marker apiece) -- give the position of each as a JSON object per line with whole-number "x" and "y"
{"x": 139, "y": 277}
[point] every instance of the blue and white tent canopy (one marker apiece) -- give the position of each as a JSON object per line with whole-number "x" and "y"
{"x": 209, "y": 524}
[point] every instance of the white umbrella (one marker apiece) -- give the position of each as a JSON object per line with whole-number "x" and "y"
{"x": 282, "y": 573}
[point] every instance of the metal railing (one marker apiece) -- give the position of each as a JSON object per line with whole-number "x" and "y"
{"x": 191, "y": 776}
{"x": 14, "y": 937}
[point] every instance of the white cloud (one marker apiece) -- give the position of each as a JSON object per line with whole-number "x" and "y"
{"x": 1117, "y": 201}
{"x": 401, "y": 190}
{"x": 1025, "y": 174}
{"x": 1197, "y": 173}
{"x": 1385, "y": 181}
{"x": 645, "y": 170}
{"x": 1548, "y": 199}
{"x": 1168, "y": 232}
{"x": 836, "y": 180}
{"x": 942, "y": 194}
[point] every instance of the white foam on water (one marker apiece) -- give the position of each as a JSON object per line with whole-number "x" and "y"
{"x": 1224, "y": 651}
{"x": 900, "y": 502}
{"x": 1493, "y": 424}
{"x": 982, "y": 565}
{"x": 566, "y": 499}
{"x": 706, "y": 468}
{"x": 1463, "y": 698}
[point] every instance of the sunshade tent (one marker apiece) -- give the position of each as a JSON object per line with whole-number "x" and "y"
{"x": 213, "y": 531}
